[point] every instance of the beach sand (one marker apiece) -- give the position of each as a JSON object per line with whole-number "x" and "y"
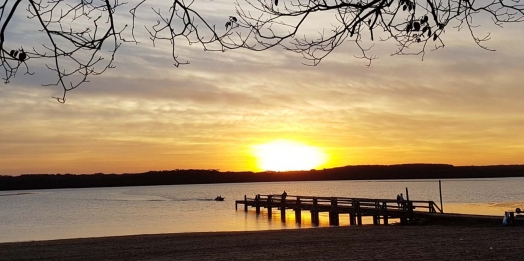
{"x": 435, "y": 242}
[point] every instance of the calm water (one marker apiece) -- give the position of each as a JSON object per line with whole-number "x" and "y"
{"x": 93, "y": 212}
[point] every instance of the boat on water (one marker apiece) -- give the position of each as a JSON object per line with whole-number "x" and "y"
{"x": 219, "y": 198}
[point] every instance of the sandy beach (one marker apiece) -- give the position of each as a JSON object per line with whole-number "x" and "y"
{"x": 434, "y": 242}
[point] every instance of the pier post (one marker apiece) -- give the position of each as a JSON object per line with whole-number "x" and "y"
{"x": 376, "y": 218}
{"x": 333, "y": 213}
{"x": 351, "y": 219}
{"x": 314, "y": 212}
{"x": 245, "y": 203}
{"x": 440, "y": 193}
{"x": 283, "y": 209}
{"x": 385, "y": 212}
{"x": 410, "y": 211}
{"x": 298, "y": 211}
{"x": 269, "y": 206}
{"x": 257, "y": 203}
{"x": 359, "y": 214}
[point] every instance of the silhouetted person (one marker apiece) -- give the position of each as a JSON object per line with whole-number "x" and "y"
{"x": 284, "y": 195}
{"x": 398, "y": 200}
{"x": 401, "y": 197}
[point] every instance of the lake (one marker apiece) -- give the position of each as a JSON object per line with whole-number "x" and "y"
{"x": 94, "y": 212}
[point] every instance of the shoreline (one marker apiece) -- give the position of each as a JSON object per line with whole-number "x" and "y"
{"x": 418, "y": 242}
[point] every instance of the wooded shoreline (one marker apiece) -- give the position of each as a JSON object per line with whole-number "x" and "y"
{"x": 195, "y": 176}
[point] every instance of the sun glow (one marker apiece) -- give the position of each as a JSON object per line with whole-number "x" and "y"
{"x": 283, "y": 155}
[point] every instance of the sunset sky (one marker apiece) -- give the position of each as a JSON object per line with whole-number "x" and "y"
{"x": 462, "y": 105}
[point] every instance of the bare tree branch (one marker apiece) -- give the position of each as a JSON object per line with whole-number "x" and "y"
{"x": 83, "y": 36}
{"x": 413, "y": 25}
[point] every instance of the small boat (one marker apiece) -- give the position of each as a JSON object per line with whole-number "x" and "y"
{"x": 219, "y": 198}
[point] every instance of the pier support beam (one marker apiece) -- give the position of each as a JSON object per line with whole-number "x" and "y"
{"x": 333, "y": 213}
{"x": 358, "y": 213}
{"x": 283, "y": 210}
{"x": 269, "y": 206}
{"x": 376, "y": 218}
{"x": 314, "y": 213}
{"x": 385, "y": 212}
{"x": 257, "y": 203}
{"x": 298, "y": 211}
{"x": 352, "y": 219}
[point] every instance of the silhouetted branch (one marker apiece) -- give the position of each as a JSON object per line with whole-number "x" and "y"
{"x": 413, "y": 25}
{"x": 77, "y": 31}
{"x": 81, "y": 38}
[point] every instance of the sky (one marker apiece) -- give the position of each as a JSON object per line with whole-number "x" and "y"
{"x": 460, "y": 105}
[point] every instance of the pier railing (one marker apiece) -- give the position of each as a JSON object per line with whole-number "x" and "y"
{"x": 356, "y": 207}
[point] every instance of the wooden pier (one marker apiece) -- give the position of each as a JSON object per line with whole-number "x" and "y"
{"x": 379, "y": 209}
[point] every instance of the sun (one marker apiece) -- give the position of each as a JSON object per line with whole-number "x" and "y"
{"x": 284, "y": 155}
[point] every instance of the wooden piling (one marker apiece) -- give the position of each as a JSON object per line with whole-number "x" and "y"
{"x": 333, "y": 213}
{"x": 359, "y": 214}
{"x": 376, "y": 218}
{"x": 298, "y": 211}
{"x": 352, "y": 220}
{"x": 385, "y": 212}
{"x": 314, "y": 213}
{"x": 440, "y": 193}
{"x": 283, "y": 209}
{"x": 245, "y": 203}
{"x": 257, "y": 203}
{"x": 269, "y": 206}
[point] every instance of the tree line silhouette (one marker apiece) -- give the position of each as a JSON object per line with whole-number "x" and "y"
{"x": 198, "y": 176}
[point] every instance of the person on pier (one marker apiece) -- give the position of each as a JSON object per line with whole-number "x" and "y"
{"x": 284, "y": 195}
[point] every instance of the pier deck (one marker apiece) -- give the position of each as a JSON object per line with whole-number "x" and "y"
{"x": 381, "y": 210}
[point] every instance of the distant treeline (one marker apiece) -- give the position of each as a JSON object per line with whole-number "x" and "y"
{"x": 193, "y": 176}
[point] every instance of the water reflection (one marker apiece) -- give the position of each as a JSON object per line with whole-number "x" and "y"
{"x": 496, "y": 208}
{"x": 290, "y": 221}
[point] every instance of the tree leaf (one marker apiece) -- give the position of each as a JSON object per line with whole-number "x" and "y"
{"x": 435, "y": 36}
{"x": 276, "y": 2}
{"x": 22, "y": 56}
{"x": 416, "y": 26}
